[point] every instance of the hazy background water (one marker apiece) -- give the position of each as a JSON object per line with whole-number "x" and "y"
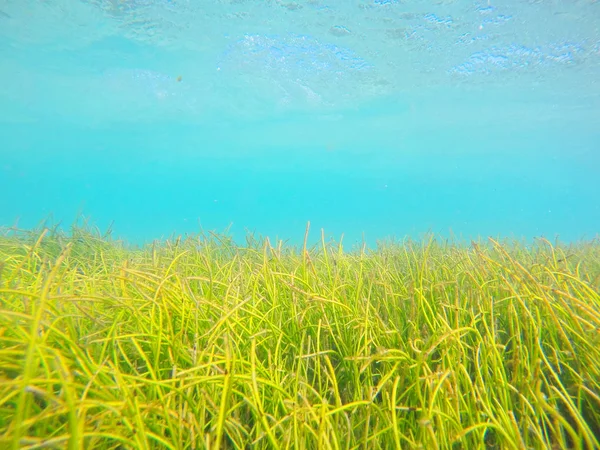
{"x": 379, "y": 117}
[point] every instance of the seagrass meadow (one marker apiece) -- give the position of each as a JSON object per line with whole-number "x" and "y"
{"x": 202, "y": 343}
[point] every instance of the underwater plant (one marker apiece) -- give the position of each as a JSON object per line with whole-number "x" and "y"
{"x": 199, "y": 343}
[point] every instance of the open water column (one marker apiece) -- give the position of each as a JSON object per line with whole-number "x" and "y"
{"x": 372, "y": 118}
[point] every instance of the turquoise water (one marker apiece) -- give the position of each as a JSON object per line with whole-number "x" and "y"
{"x": 371, "y": 119}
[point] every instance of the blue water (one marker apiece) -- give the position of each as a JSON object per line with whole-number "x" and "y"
{"x": 368, "y": 119}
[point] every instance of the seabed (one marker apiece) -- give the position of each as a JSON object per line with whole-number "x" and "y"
{"x": 201, "y": 343}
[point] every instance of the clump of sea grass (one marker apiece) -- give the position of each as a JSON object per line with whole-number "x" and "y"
{"x": 199, "y": 343}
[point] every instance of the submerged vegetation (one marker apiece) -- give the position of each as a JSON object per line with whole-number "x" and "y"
{"x": 201, "y": 343}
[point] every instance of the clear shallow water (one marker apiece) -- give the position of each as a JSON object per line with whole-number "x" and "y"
{"x": 369, "y": 117}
